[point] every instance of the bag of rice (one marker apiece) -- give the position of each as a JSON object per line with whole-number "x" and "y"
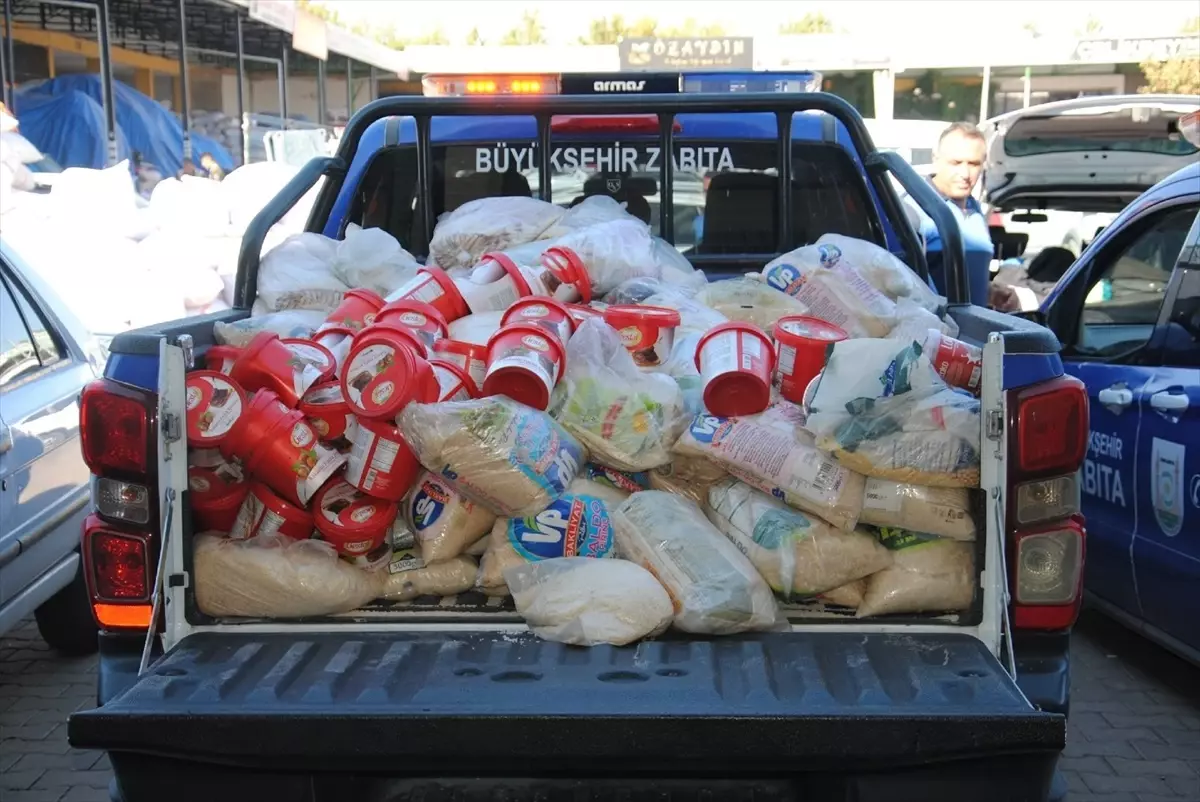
{"x": 832, "y": 290}
{"x": 927, "y": 575}
{"x": 448, "y": 578}
{"x": 588, "y": 602}
{"x": 611, "y": 496}
{"x": 785, "y": 465}
{"x": 886, "y": 273}
{"x": 489, "y": 224}
{"x": 444, "y": 522}
{"x": 715, "y": 589}
{"x": 750, "y": 300}
{"x": 571, "y": 526}
{"x": 509, "y": 458}
{"x": 689, "y": 477}
{"x": 941, "y": 511}
{"x": 848, "y": 595}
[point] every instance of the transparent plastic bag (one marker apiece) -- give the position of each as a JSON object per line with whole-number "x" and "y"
{"x": 447, "y": 578}
{"x": 619, "y": 250}
{"x": 689, "y": 477}
{"x": 832, "y": 290}
{"x": 592, "y": 210}
{"x": 298, "y": 323}
{"x": 886, "y": 273}
{"x": 848, "y": 595}
{"x": 489, "y": 224}
{"x": 927, "y": 575}
{"x": 715, "y": 589}
{"x": 788, "y": 466}
{"x": 589, "y": 602}
{"x": 610, "y": 495}
{"x": 299, "y": 274}
{"x": 272, "y": 576}
{"x": 444, "y": 522}
{"x": 913, "y": 322}
{"x": 628, "y": 419}
{"x": 371, "y": 258}
{"x": 941, "y": 511}
{"x": 797, "y": 555}
{"x": 494, "y": 451}
{"x": 750, "y": 300}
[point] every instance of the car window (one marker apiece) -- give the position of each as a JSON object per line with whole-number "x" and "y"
{"x": 1181, "y": 347}
{"x": 1123, "y": 304}
{"x": 26, "y": 341}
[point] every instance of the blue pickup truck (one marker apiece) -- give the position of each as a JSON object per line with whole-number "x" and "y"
{"x": 455, "y": 701}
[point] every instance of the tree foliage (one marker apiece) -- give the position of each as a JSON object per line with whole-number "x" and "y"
{"x": 611, "y": 30}
{"x": 475, "y": 38}
{"x": 1174, "y": 76}
{"x": 692, "y": 29}
{"x": 529, "y": 32}
{"x": 809, "y": 23}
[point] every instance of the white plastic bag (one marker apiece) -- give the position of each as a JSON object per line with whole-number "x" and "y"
{"x": 298, "y": 323}
{"x": 591, "y": 210}
{"x": 371, "y": 258}
{"x": 444, "y": 522}
{"x": 913, "y": 322}
{"x": 619, "y": 250}
{"x": 941, "y": 511}
{"x": 489, "y": 224}
{"x": 299, "y": 274}
{"x": 750, "y": 300}
{"x": 832, "y": 290}
{"x": 927, "y": 575}
{"x": 627, "y": 419}
{"x": 886, "y": 273}
{"x": 588, "y": 602}
{"x": 715, "y": 589}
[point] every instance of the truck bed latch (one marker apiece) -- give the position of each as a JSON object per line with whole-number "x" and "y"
{"x": 994, "y": 427}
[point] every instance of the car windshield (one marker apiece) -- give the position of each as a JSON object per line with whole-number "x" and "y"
{"x": 1138, "y": 129}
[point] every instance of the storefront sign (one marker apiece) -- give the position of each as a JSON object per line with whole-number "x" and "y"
{"x": 1117, "y": 51}
{"x": 309, "y": 36}
{"x": 279, "y": 14}
{"x": 664, "y": 53}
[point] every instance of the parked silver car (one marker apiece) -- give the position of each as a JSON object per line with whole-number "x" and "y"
{"x": 46, "y": 357}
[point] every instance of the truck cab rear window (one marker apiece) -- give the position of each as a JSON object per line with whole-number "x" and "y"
{"x": 724, "y": 198}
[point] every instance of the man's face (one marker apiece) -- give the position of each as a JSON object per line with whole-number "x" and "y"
{"x": 958, "y": 164}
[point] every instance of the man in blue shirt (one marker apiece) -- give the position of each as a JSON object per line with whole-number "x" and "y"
{"x": 958, "y": 165}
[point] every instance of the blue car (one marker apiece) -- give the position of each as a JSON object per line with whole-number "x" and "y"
{"x": 1128, "y": 315}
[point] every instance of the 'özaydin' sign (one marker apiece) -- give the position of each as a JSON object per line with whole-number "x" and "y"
{"x": 614, "y": 158}
{"x": 699, "y": 52}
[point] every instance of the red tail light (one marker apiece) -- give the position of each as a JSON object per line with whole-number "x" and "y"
{"x": 608, "y": 124}
{"x": 1052, "y": 426}
{"x": 116, "y": 428}
{"x": 119, "y": 575}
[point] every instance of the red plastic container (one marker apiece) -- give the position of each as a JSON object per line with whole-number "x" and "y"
{"x": 497, "y": 295}
{"x": 524, "y": 363}
{"x": 354, "y": 524}
{"x": 265, "y": 513}
{"x": 422, "y": 318}
{"x": 356, "y": 311}
{"x": 215, "y": 406}
{"x": 802, "y": 344}
{"x": 205, "y": 458}
{"x": 647, "y": 332}
{"x": 314, "y": 354}
{"x": 735, "y": 361}
{"x": 433, "y": 286}
{"x": 545, "y": 313}
{"x": 470, "y": 357}
{"x": 571, "y": 273}
{"x": 580, "y": 313}
{"x": 220, "y": 358}
{"x": 959, "y": 364}
{"x": 326, "y": 409}
{"x": 216, "y": 496}
{"x": 262, "y": 412}
{"x": 383, "y": 373}
{"x": 268, "y": 363}
{"x": 291, "y": 460}
{"x": 455, "y": 383}
{"x": 381, "y": 464}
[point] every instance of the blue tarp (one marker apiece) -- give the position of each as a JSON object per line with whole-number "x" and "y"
{"x": 64, "y": 118}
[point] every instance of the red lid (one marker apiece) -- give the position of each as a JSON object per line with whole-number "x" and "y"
{"x": 316, "y": 355}
{"x": 632, "y": 315}
{"x": 383, "y": 374}
{"x": 512, "y": 269}
{"x": 256, "y": 344}
{"x": 740, "y": 391}
{"x": 211, "y": 486}
{"x": 327, "y": 395}
{"x": 217, "y": 354}
{"x": 460, "y": 374}
{"x": 469, "y": 350}
{"x": 581, "y": 312}
{"x": 369, "y": 296}
{"x": 527, "y": 310}
{"x": 800, "y": 329}
{"x": 415, "y": 314}
{"x": 735, "y": 325}
{"x": 568, "y": 268}
{"x": 329, "y": 329}
{"x": 406, "y": 335}
{"x": 290, "y": 513}
{"x": 457, "y": 303}
{"x": 351, "y": 521}
{"x": 516, "y": 382}
{"x": 215, "y": 404}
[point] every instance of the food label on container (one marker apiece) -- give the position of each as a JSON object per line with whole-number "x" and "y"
{"x": 213, "y": 407}
{"x": 371, "y": 459}
{"x": 422, "y": 287}
{"x": 787, "y": 360}
{"x": 958, "y": 363}
{"x": 452, "y": 387}
{"x": 314, "y": 462}
{"x": 428, "y": 504}
{"x": 529, "y": 358}
{"x": 475, "y": 368}
{"x": 325, "y": 394}
{"x": 728, "y": 351}
{"x": 495, "y": 296}
{"x": 403, "y": 552}
{"x": 309, "y": 364}
{"x": 248, "y": 517}
{"x": 345, "y": 506}
{"x": 882, "y": 495}
{"x": 572, "y": 526}
{"x": 368, "y": 363}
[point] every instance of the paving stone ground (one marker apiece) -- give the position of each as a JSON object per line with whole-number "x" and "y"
{"x": 1133, "y": 735}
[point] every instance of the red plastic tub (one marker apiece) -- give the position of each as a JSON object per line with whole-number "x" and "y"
{"x": 216, "y": 496}
{"x": 545, "y": 313}
{"x": 383, "y": 373}
{"x": 381, "y": 464}
{"x": 524, "y": 363}
{"x": 268, "y": 363}
{"x": 215, "y": 406}
{"x": 205, "y": 458}
{"x": 356, "y": 311}
{"x": 959, "y": 364}
{"x": 423, "y": 319}
{"x": 582, "y": 312}
{"x": 568, "y": 280}
{"x": 802, "y": 344}
{"x": 262, "y": 412}
{"x": 495, "y": 284}
{"x": 291, "y": 460}
{"x": 326, "y": 409}
{"x": 265, "y": 513}
{"x": 735, "y": 361}
{"x": 455, "y": 384}
{"x": 355, "y": 524}
{"x": 220, "y": 358}
{"x": 432, "y": 285}
{"x": 336, "y": 340}
{"x": 314, "y": 354}
{"x": 647, "y": 332}
{"x": 470, "y": 357}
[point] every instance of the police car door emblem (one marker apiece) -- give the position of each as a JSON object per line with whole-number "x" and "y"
{"x": 1166, "y": 485}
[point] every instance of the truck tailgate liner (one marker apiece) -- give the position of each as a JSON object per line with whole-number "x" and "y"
{"x": 476, "y": 701}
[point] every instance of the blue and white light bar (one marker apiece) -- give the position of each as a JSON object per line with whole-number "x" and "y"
{"x": 729, "y": 82}
{"x": 629, "y": 83}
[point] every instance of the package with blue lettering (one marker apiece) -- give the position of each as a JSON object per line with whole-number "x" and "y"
{"x": 571, "y": 526}
{"x": 445, "y": 523}
{"x": 498, "y": 453}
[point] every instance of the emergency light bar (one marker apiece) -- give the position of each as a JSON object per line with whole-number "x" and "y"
{"x": 627, "y": 83}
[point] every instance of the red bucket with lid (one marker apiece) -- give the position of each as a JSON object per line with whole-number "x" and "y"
{"x": 314, "y": 354}
{"x": 381, "y": 464}
{"x": 735, "y": 361}
{"x": 291, "y": 460}
{"x": 470, "y": 357}
{"x": 383, "y": 373}
{"x": 422, "y": 319}
{"x": 354, "y": 524}
{"x": 432, "y": 285}
{"x": 262, "y": 412}
{"x": 263, "y": 512}
{"x": 267, "y": 362}
{"x": 802, "y": 343}
{"x": 326, "y": 409}
{"x": 582, "y": 312}
{"x": 205, "y": 458}
{"x": 455, "y": 383}
{"x": 647, "y": 332}
{"x": 216, "y": 495}
{"x": 215, "y": 407}
{"x": 546, "y": 313}
{"x": 570, "y": 273}
{"x": 356, "y": 311}
{"x": 524, "y": 363}
{"x": 959, "y": 364}
{"x": 490, "y": 290}
{"x": 220, "y": 358}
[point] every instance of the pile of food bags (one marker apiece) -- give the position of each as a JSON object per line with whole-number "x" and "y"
{"x": 558, "y": 409}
